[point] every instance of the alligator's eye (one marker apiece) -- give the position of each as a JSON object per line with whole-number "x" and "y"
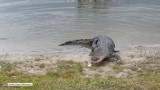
{"x": 97, "y": 42}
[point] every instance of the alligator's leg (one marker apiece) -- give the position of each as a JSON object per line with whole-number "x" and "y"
{"x": 116, "y": 58}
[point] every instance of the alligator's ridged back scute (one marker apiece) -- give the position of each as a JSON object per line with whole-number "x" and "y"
{"x": 106, "y": 44}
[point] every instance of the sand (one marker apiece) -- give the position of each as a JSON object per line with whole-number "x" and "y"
{"x": 41, "y": 63}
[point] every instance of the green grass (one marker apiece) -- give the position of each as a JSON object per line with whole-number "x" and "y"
{"x": 66, "y": 69}
{"x": 69, "y": 76}
{"x": 6, "y": 66}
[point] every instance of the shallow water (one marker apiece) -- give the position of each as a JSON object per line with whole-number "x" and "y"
{"x": 41, "y": 25}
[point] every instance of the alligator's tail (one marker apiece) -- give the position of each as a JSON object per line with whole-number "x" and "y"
{"x": 78, "y": 42}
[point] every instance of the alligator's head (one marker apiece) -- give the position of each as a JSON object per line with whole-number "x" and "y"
{"x": 97, "y": 55}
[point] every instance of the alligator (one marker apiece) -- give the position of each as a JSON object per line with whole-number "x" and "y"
{"x": 102, "y": 47}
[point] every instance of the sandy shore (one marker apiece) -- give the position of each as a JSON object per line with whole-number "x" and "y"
{"x": 41, "y": 63}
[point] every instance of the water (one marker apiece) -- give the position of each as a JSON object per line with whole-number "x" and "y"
{"x": 41, "y": 25}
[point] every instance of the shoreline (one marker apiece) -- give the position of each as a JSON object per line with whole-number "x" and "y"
{"x": 41, "y": 63}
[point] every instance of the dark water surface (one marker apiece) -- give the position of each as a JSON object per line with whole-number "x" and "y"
{"x": 40, "y": 25}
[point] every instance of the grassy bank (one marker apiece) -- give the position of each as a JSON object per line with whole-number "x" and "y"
{"x": 69, "y": 75}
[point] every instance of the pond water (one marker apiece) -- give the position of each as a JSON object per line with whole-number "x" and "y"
{"x": 41, "y": 25}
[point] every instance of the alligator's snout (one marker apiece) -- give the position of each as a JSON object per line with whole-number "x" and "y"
{"x": 95, "y": 60}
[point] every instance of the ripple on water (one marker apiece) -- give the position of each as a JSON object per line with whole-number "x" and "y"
{"x": 41, "y": 25}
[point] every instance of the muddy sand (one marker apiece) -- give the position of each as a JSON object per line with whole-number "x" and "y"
{"x": 41, "y": 63}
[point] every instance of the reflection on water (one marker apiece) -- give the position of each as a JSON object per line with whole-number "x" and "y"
{"x": 98, "y": 4}
{"x": 40, "y": 25}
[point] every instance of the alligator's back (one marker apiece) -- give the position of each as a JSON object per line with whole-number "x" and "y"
{"x": 103, "y": 47}
{"x": 107, "y": 44}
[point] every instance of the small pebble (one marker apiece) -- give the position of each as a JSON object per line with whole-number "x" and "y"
{"x": 89, "y": 65}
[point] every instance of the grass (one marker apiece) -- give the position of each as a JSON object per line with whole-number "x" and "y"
{"x": 6, "y": 66}
{"x": 118, "y": 68}
{"x": 150, "y": 66}
{"x": 69, "y": 76}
